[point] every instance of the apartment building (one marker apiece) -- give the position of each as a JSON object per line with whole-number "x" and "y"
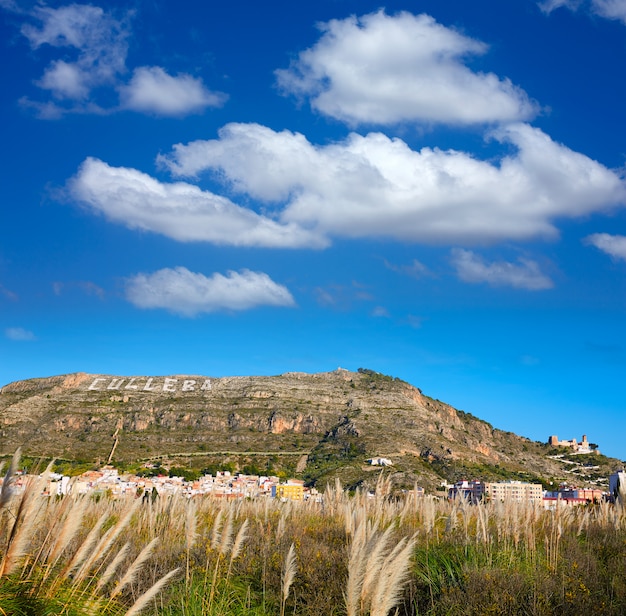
{"x": 470, "y": 491}
{"x": 482, "y": 491}
{"x": 518, "y": 491}
{"x": 292, "y": 490}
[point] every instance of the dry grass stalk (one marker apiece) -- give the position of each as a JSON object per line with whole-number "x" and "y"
{"x": 130, "y": 576}
{"x": 85, "y": 547}
{"x": 71, "y": 526}
{"x": 483, "y": 522}
{"x": 190, "y": 534}
{"x": 106, "y": 542}
{"x": 334, "y": 498}
{"x": 280, "y": 527}
{"x": 153, "y": 591}
{"x": 7, "y": 486}
{"x": 239, "y": 539}
{"x": 289, "y": 572}
{"x": 23, "y": 525}
{"x": 393, "y": 576}
{"x": 227, "y": 533}
{"x": 109, "y": 572}
{"x": 215, "y": 533}
{"x": 223, "y": 544}
{"x": 452, "y": 519}
{"x": 376, "y": 549}
{"x": 383, "y": 486}
{"x": 357, "y": 560}
{"x": 191, "y": 525}
{"x": 429, "y": 514}
{"x": 376, "y": 570}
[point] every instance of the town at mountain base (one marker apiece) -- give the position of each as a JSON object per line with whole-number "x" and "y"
{"x": 311, "y": 427}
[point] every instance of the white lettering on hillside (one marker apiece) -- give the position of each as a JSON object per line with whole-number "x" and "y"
{"x": 149, "y": 387}
{"x": 170, "y": 384}
{"x": 156, "y": 384}
{"x": 115, "y": 383}
{"x": 94, "y": 385}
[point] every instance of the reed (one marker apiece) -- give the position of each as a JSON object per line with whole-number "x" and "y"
{"x": 356, "y": 555}
{"x": 40, "y": 548}
{"x": 289, "y": 572}
{"x": 143, "y": 601}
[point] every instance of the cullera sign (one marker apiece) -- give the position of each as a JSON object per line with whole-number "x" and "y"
{"x": 166, "y": 384}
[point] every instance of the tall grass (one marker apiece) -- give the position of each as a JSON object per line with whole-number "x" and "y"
{"x": 52, "y": 552}
{"x": 350, "y": 555}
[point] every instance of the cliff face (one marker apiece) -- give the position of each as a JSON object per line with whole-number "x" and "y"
{"x": 338, "y": 419}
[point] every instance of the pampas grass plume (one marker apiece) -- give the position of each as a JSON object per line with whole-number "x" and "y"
{"x": 131, "y": 574}
{"x": 147, "y": 596}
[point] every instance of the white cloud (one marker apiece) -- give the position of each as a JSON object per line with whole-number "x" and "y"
{"x": 94, "y": 44}
{"x": 613, "y": 245}
{"x": 100, "y": 41}
{"x": 179, "y": 210}
{"x": 415, "y": 269}
{"x": 611, "y": 9}
{"x": 86, "y": 286}
{"x": 380, "y": 312}
{"x": 342, "y": 297}
{"x": 547, "y": 6}
{"x": 525, "y": 274}
{"x": 374, "y": 186}
{"x": 385, "y": 69}
{"x": 19, "y": 334}
{"x": 414, "y": 321}
{"x": 8, "y": 294}
{"x": 188, "y": 294}
{"x": 152, "y": 90}
{"x": 65, "y": 81}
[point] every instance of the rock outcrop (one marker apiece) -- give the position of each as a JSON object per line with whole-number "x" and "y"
{"x": 337, "y": 419}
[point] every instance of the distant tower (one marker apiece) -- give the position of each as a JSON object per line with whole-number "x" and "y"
{"x": 553, "y": 441}
{"x": 585, "y": 441}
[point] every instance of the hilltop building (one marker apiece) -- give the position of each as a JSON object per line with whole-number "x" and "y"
{"x": 583, "y": 447}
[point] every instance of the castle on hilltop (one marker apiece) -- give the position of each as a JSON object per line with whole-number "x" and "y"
{"x": 583, "y": 447}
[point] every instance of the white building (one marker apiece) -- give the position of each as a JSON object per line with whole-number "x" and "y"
{"x": 380, "y": 462}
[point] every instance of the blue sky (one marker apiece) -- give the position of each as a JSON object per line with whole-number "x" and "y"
{"x": 433, "y": 190}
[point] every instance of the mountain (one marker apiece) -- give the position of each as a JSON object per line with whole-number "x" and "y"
{"x": 315, "y": 426}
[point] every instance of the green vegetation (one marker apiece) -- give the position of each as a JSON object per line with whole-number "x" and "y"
{"x": 52, "y": 553}
{"x": 358, "y": 555}
{"x": 588, "y": 459}
{"x": 468, "y": 416}
{"x": 337, "y": 450}
{"x": 188, "y": 474}
{"x": 373, "y": 379}
{"x": 265, "y": 425}
{"x": 458, "y": 470}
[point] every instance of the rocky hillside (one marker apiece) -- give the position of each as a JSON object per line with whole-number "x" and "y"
{"x": 314, "y": 425}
